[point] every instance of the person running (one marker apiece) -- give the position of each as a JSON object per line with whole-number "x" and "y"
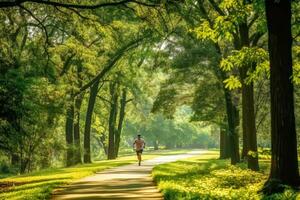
{"x": 139, "y": 145}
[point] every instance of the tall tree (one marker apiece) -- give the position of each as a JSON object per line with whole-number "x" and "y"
{"x": 69, "y": 134}
{"x": 233, "y": 24}
{"x": 123, "y": 102}
{"x": 113, "y": 90}
{"x": 248, "y": 116}
{"x": 88, "y": 121}
{"x": 77, "y": 115}
{"x": 284, "y": 161}
{"x": 94, "y": 84}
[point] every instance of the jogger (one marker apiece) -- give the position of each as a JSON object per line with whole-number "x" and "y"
{"x": 139, "y": 145}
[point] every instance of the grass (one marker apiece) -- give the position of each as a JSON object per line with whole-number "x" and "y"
{"x": 39, "y": 185}
{"x": 206, "y": 177}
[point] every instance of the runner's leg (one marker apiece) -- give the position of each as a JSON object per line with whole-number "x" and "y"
{"x": 139, "y": 157}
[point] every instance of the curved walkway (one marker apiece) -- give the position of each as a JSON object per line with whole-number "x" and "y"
{"x": 124, "y": 183}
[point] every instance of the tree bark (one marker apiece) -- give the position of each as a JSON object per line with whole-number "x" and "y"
{"x": 69, "y": 134}
{"x": 284, "y": 161}
{"x": 248, "y": 113}
{"x": 77, "y": 145}
{"x": 78, "y": 103}
{"x": 252, "y": 154}
{"x": 227, "y": 144}
{"x": 112, "y": 121}
{"x": 103, "y": 143}
{"x": 233, "y": 122}
{"x": 121, "y": 119}
{"x": 88, "y": 123}
{"x": 224, "y": 143}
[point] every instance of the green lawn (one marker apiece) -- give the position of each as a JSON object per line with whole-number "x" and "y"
{"x": 39, "y": 185}
{"x": 206, "y": 177}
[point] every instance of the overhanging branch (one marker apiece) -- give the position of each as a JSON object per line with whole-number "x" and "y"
{"x": 111, "y": 63}
{"x": 14, "y": 3}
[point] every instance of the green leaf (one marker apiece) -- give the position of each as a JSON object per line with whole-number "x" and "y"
{"x": 232, "y": 83}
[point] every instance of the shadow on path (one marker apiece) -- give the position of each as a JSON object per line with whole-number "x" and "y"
{"x": 124, "y": 183}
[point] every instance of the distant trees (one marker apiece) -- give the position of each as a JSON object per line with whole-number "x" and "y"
{"x": 166, "y": 133}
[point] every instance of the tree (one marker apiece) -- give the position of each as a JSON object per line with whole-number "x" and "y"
{"x": 94, "y": 91}
{"x": 70, "y": 133}
{"x": 87, "y": 131}
{"x": 113, "y": 90}
{"x": 123, "y": 102}
{"x": 28, "y": 109}
{"x": 284, "y": 164}
{"x": 230, "y": 21}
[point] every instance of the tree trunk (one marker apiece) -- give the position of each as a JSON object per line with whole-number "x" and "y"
{"x": 78, "y": 103}
{"x": 69, "y": 134}
{"x": 244, "y": 41}
{"x": 244, "y": 119}
{"x": 222, "y": 143}
{"x": 155, "y": 143}
{"x": 15, "y": 159}
{"x": 284, "y": 162}
{"x": 224, "y": 146}
{"x": 112, "y": 121}
{"x": 23, "y": 165}
{"x": 232, "y": 115}
{"x": 233, "y": 122}
{"x": 245, "y": 145}
{"x": 121, "y": 119}
{"x": 250, "y": 127}
{"x": 88, "y": 123}
{"x": 77, "y": 149}
{"x": 103, "y": 143}
{"x": 227, "y": 144}
{"x": 248, "y": 114}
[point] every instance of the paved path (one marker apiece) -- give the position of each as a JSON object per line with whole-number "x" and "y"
{"x": 124, "y": 183}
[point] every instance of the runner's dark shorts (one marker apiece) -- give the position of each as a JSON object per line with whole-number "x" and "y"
{"x": 139, "y": 151}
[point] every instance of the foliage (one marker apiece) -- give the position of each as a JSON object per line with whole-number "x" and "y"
{"x": 296, "y": 67}
{"x": 157, "y": 130}
{"x": 233, "y": 82}
{"x": 246, "y": 56}
{"x": 205, "y": 177}
{"x": 173, "y": 77}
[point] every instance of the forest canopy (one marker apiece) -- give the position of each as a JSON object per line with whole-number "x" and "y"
{"x": 80, "y": 79}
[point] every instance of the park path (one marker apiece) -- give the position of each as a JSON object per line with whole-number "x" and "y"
{"x": 124, "y": 182}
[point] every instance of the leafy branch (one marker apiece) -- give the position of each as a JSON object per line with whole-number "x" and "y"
{"x": 15, "y": 3}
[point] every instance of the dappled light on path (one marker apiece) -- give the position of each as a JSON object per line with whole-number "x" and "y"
{"x": 125, "y": 182}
